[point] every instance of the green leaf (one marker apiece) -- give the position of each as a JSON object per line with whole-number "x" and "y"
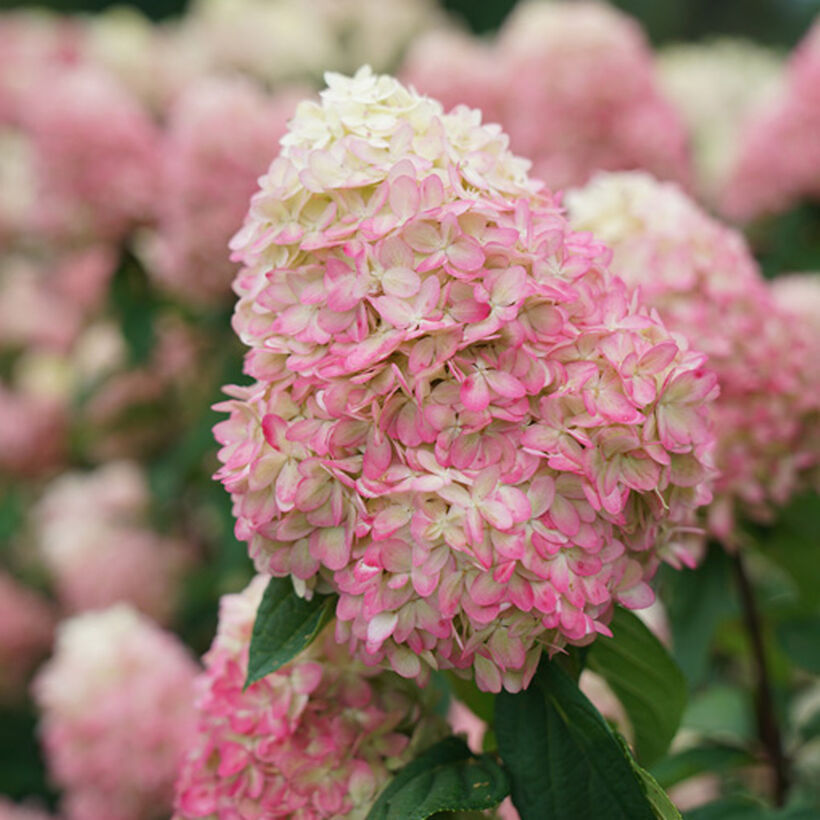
{"x": 721, "y": 711}
{"x": 285, "y": 625}
{"x": 646, "y": 680}
{"x": 731, "y": 808}
{"x": 135, "y": 307}
{"x": 798, "y": 639}
{"x": 446, "y": 777}
{"x": 564, "y": 761}
{"x": 792, "y": 545}
{"x": 697, "y": 760}
{"x": 662, "y": 806}
{"x": 697, "y": 602}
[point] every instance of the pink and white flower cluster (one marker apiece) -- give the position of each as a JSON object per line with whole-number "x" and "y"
{"x": 218, "y": 139}
{"x": 779, "y": 157}
{"x": 93, "y": 538}
{"x": 26, "y": 630}
{"x": 462, "y": 423}
{"x": 572, "y": 83}
{"x": 316, "y": 739}
{"x": 702, "y": 279}
{"x": 117, "y": 714}
{"x": 94, "y": 153}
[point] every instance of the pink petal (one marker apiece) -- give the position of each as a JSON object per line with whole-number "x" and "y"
{"x": 466, "y": 254}
{"x": 475, "y": 395}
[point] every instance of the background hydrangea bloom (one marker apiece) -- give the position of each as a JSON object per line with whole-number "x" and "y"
{"x": 32, "y": 431}
{"x": 219, "y": 138}
{"x": 117, "y": 713}
{"x": 779, "y": 158}
{"x": 703, "y": 280}
{"x": 716, "y": 86}
{"x": 315, "y": 739}
{"x": 95, "y": 154}
{"x": 91, "y": 527}
{"x": 45, "y": 298}
{"x": 26, "y": 629}
{"x": 548, "y": 80}
{"x": 462, "y": 423}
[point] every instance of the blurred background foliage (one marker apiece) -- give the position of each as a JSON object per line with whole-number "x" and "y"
{"x": 775, "y": 22}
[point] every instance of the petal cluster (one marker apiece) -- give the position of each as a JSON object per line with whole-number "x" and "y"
{"x": 548, "y": 79}
{"x": 93, "y": 526}
{"x": 701, "y": 277}
{"x": 461, "y": 422}
{"x": 316, "y": 739}
{"x": 117, "y": 713}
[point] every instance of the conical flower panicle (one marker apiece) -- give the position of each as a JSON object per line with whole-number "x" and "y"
{"x": 461, "y": 423}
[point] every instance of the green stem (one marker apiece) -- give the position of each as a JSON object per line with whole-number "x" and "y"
{"x": 768, "y": 729}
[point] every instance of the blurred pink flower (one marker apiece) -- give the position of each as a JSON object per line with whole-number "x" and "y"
{"x": 117, "y": 712}
{"x": 315, "y": 739}
{"x": 462, "y": 423}
{"x": 44, "y": 300}
{"x": 30, "y": 40}
{"x": 95, "y": 155}
{"x": 93, "y": 526}
{"x": 26, "y": 630}
{"x": 220, "y": 136}
{"x": 548, "y": 80}
{"x": 703, "y": 280}
{"x": 779, "y": 158}
{"x": 32, "y": 432}
{"x": 799, "y": 295}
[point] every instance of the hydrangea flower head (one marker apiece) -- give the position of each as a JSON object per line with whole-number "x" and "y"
{"x": 462, "y": 423}
{"x": 778, "y": 162}
{"x": 716, "y": 86}
{"x": 95, "y": 154}
{"x": 548, "y": 80}
{"x": 116, "y": 714}
{"x": 315, "y": 739}
{"x": 703, "y": 280}
{"x": 93, "y": 525}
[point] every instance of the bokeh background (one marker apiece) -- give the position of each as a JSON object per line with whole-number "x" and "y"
{"x": 131, "y": 385}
